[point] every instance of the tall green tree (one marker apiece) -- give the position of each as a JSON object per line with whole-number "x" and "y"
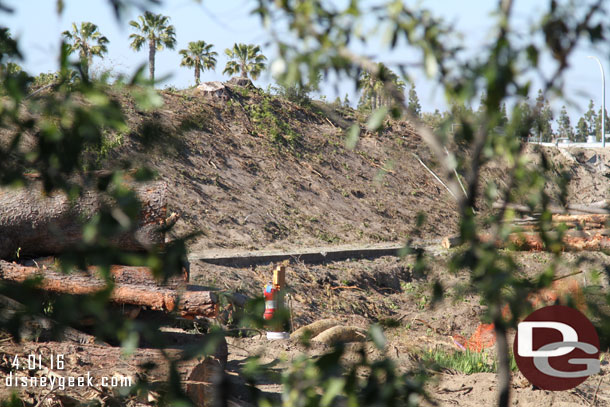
{"x": 564, "y": 127}
{"x": 88, "y": 42}
{"x": 413, "y": 105}
{"x": 154, "y": 30}
{"x": 522, "y": 126}
{"x": 582, "y": 130}
{"x": 543, "y": 118}
{"x": 590, "y": 118}
{"x": 598, "y": 123}
{"x": 245, "y": 59}
{"x": 370, "y": 86}
{"x": 375, "y": 93}
{"x": 199, "y": 56}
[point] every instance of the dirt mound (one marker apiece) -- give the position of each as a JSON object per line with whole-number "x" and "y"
{"x": 257, "y": 172}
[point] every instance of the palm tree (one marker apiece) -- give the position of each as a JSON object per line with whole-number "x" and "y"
{"x": 88, "y": 41}
{"x": 199, "y": 55}
{"x": 245, "y": 59}
{"x": 159, "y": 34}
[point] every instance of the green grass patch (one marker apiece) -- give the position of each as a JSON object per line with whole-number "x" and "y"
{"x": 467, "y": 362}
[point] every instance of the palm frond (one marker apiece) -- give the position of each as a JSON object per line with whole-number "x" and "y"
{"x": 137, "y": 41}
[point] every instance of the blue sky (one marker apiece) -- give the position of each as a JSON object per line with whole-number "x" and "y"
{"x": 38, "y": 27}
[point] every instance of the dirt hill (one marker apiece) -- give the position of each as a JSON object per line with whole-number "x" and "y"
{"x": 256, "y": 171}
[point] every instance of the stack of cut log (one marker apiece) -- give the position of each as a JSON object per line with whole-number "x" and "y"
{"x": 141, "y": 290}
{"x": 585, "y": 229}
{"x": 34, "y": 225}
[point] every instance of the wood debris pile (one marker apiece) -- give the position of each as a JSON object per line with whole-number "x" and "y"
{"x": 573, "y": 228}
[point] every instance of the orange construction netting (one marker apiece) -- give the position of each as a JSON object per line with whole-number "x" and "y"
{"x": 484, "y": 336}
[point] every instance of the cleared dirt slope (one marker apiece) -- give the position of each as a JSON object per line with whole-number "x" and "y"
{"x": 232, "y": 181}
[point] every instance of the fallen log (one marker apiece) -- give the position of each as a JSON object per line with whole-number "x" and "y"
{"x": 120, "y": 273}
{"x": 36, "y": 327}
{"x": 604, "y": 203}
{"x": 600, "y": 219}
{"x": 186, "y": 304}
{"x": 341, "y": 333}
{"x": 594, "y": 240}
{"x": 583, "y": 221}
{"x": 569, "y": 225}
{"x": 570, "y": 209}
{"x": 110, "y": 369}
{"x": 313, "y": 329}
{"x": 567, "y": 218}
{"x": 32, "y": 224}
{"x": 144, "y": 276}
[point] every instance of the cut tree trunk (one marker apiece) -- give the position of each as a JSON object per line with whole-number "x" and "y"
{"x": 592, "y": 219}
{"x": 39, "y": 328}
{"x": 35, "y": 225}
{"x": 144, "y": 276}
{"x": 569, "y": 225}
{"x": 571, "y": 242}
{"x": 570, "y": 209}
{"x": 587, "y": 221}
{"x": 119, "y": 273}
{"x": 586, "y": 242}
{"x": 197, "y": 377}
{"x": 186, "y": 304}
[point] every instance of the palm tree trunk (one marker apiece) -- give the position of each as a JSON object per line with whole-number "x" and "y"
{"x": 84, "y": 63}
{"x": 197, "y": 71}
{"x": 244, "y": 74}
{"x": 152, "y": 48}
{"x": 89, "y": 61}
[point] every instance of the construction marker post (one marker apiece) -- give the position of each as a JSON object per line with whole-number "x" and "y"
{"x": 274, "y": 301}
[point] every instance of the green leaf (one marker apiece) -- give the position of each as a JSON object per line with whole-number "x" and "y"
{"x": 147, "y": 98}
{"x": 335, "y": 387}
{"x": 130, "y": 343}
{"x": 532, "y": 55}
{"x": 377, "y": 336}
{"x": 353, "y": 135}
{"x": 376, "y": 119}
{"x": 430, "y": 65}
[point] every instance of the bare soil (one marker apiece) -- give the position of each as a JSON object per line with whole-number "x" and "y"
{"x": 375, "y": 291}
{"x": 242, "y": 190}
